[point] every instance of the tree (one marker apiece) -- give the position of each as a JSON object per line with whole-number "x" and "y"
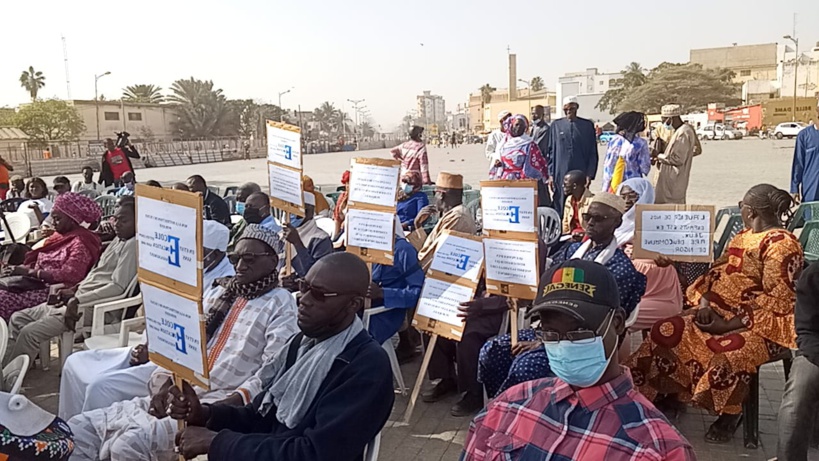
{"x": 32, "y": 81}
{"x": 327, "y": 116}
{"x": 486, "y": 93}
{"x": 536, "y": 84}
{"x": 202, "y": 111}
{"x": 246, "y": 113}
{"x": 143, "y": 93}
{"x": 689, "y": 85}
{"x": 367, "y": 130}
{"x": 633, "y": 76}
{"x": 50, "y": 120}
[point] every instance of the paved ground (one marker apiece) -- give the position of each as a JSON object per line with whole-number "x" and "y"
{"x": 720, "y": 176}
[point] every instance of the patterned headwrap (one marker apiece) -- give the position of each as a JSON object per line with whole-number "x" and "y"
{"x": 83, "y": 210}
{"x": 345, "y": 177}
{"x": 413, "y": 178}
{"x": 262, "y": 234}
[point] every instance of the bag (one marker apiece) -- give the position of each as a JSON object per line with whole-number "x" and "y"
{"x": 21, "y": 284}
{"x": 417, "y": 238}
{"x": 13, "y": 254}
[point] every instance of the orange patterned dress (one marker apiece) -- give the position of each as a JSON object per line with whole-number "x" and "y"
{"x": 754, "y": 280}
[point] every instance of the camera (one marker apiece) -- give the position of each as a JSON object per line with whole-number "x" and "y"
{"x": 122, "y": 139}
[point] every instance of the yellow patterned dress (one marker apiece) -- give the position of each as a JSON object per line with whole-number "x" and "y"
{"x": 754, "y": 280}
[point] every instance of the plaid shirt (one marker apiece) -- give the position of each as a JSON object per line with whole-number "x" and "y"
{"x": 546, "y": 419}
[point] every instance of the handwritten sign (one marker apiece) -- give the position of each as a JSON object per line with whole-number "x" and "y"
{"x": 440, "y": 300}
{"x": 166, "y": 235}
{"x": 373, "y": 184}
{"x": 459, "y": 257}
{"x": 285, "y": 184}
{"x": 680, "y": 232}
{"x": 283, "y": 144}
{"x": 511, "y": 267}
{"x": 172, "y": 326}
{"x": 509, "y": 206}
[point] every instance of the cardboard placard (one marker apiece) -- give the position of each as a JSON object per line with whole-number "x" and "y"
{"x": 509, "y": 208}
{"x": 284, "y": 144}
{"x": 680, "y": 232}
{"x": 511, "y": 267}
{"x": 452, "y": 279}
{"x": 370, "y": 235}
{"x": 374, "y": 182}
{"x": 286, "y": 188}
{"x": 176, "y": 333}
{"x": 169, "y": 239}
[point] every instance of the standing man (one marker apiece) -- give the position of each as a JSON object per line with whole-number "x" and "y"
{"x": 5, "y": 167}
{"x": 540, "y": 134}
{"x": 572, "y": 146}
{"x": 116, "y": 162}
{"x": 674, "y": 165}
{"x": 496, "y": 138}
{"x": 805, "y": 170}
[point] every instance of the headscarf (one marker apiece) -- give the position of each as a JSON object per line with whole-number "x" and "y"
{"x": 631, "y": 123}
{"x": 80, "y": 208}
{"x": 321, "y": 201}
{"x": 413, "y": 178}
{"x": 341, "y": 203}
{"x": 519, "y": 155}
{"x": 625, "y": 233}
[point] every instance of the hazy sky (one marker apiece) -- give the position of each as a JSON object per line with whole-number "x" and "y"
{"x": 332, "y": 50}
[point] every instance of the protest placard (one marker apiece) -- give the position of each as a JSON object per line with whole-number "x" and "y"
{"x": 680, "y": 232}
{"x": 284, "y": 167}
{"x": 369, "y": 226}
{"x": 511, "y": 267}
{"x": 509, "y": 208}
{"x": 169, "y": 266}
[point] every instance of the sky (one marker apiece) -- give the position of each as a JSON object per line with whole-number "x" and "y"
{"x": 383, "y": 51}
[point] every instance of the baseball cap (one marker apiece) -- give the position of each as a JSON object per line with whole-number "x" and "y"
{"x": 581, "y": 289}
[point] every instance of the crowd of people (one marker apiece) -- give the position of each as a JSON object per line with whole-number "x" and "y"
{"x": 298, "y": 372}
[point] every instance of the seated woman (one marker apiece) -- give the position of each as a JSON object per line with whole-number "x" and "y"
{"x": 31, "y": 433}
{"x": 663, "y": 296}
{"x": 410, "y": 200}
{"x": 66, "y": 257}
{"x": 38, "y": 206}
{"x": 743, "y": 318}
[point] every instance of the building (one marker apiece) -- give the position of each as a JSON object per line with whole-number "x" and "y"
{"x": 431, "y": 109}
{"x": 588, "y": 87}
{"x": 145, "y": 122}
{"x": 749, "y": 62}
{"x": 807, "y": 73}
{"x": 756, "y": 91}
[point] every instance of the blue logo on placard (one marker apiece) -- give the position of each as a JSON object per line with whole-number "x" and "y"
{"x": 180, "y": 338}
{"x": 173, "y": 251}
{"x": 462, "y": 261}
{"x": 514, "y": 214}
{"x": 288, "y": 152}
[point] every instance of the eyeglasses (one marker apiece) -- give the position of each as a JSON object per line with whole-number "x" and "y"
{"x": 247, "y": 258}
{"x": 588, "y": 217}
{"x": 576, "y": 336}
{"x": 631, "y": 196}
{"x": 318, "y": 294}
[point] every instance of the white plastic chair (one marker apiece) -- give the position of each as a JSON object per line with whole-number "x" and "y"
{"x": 632, "y": 318}
{"x": 372, "y": 448}
{"x": 4, "y": 338}
{"x": 326, "y": 224}
{"x": 108, "y": 203}
{"x": 126, "y": 336}
{"x": 549, "y": 225}
{"x": 19, "y": 226}
{"x": 396, "y": 367}
{"x": 14, "y": 373}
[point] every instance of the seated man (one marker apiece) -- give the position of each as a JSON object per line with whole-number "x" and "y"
{"x": 214, "y": 207}
{"x": 257, "y": 211}
{"x": 449, "y": 197}
{"x": 307, "y": 241}
{"x": 128, "y": 184}
{"x": 111, "y": 276}
{"x": 99, "y": 378}
{"x": 578, "y": 199}
{"x": 62, "y": 185}
{"x": 326, "y": 395}
{"x": 248, "y": 321}
{"x": 396, "y": 287}
{"x": 502, "y": 366}
{"x": 591, "y": 410}
{"x": 242, "y": 193}
{"x": 87, "y": 182}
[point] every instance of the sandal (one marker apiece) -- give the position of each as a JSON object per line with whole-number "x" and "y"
{"x": 722, "y": 432}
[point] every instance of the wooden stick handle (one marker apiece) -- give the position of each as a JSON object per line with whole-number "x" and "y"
{"x": 420, "y": 379}
{"x": 288, "y": 250}
{"x": 180, "y": 424}
{"x": 513, "y": 320}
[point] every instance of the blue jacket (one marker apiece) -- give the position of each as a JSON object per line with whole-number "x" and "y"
{"x": 408, "y": 209}
{"x": 402, "y": 283}
{"x": 805, "y": 168}
{"x": 351, "y": 407}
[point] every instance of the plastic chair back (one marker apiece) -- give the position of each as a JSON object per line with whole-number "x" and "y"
{"x": 810, "y": 241}
{"x": 92, "y": 194}
{"x": 19, "y": 226}
{"x": 14, "y": 373}
{"x": 732, "y": 228}
{"x": 10, "y": 205}
{"x": 549, "y": 225}
{"x": 214, "y": 189}
{"x": 808, "y": 211}
{"x": 108, "y": 203}
{"x": 231, "y": 190}
{"x": 230, "y": 201}
{"x": 4, "y": 338}
{"x": 372, "y": 448}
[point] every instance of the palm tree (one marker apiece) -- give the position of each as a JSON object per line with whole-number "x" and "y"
{"x": 202, "y": 111}
{"x": 32, "y": 81}
{"x": 633, "y": 75}
{"x": 143, "y": 93}
{"x": 536, "y": 84}
{"x": 326, "y": 116}
{"x": 486, "y": 93}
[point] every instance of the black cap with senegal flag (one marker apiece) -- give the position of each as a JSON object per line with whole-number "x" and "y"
{"x": 581, "y": 289}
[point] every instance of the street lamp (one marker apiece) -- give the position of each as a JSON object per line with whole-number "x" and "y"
{"x": 97, "y": 100}
{"x": 281, "y": 111}
{"x": 528, "y": 94}
{"x": 795, "y": 72}
{"x": 355, "y": 103}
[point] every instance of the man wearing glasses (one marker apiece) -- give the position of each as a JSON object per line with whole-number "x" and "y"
{"x": 591, "y": 409}
{"x": 502, "y": 366}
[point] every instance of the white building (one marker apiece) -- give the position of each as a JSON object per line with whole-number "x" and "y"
{"x": 588, "y": 86}
{"x": 807, "y": 74}
{"x": 431, "y": 109}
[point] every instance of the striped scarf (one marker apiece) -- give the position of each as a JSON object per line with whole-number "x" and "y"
{"x": 234, "y": 290}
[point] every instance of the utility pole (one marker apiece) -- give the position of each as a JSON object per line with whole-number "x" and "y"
{"x": 97, "y": 100}
{"x": 795, "y": 69}
{"x": 65, "y": 60}
{"x": 281, "y": 111}
{"x": 355, "y": 103}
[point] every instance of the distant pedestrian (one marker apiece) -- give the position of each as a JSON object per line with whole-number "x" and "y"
{"x": 572, "y": 146}
{"x": 674, "y": 165}
{"x": 413, "y": 155}
{"x": 627, "y": 154}
{"x": 805, "y": 169}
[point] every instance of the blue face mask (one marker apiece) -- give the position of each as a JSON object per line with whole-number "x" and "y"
{"x": 668, "y": 126}
{"x": 579, "y": 364}
{"x": 406, "y": 188}
{"x": 296, "y": 221}
{"x": 240, "y": 208}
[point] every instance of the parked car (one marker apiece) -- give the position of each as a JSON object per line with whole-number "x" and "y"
{"x": 788, "y": 129}
{"x": 606, "y": 136}
{"x": 718, "y": 131}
